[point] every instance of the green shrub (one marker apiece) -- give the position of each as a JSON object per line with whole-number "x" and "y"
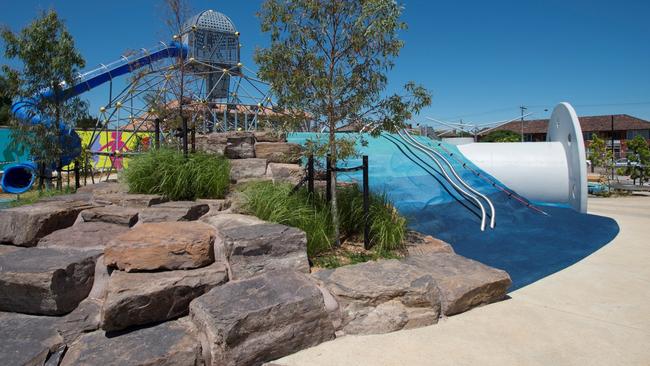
{"x": 272, "y": 202}
{"x": 167, "y": 172}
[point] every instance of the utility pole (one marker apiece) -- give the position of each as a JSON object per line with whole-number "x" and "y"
{"x": 523, "y": 109}
{"x": 613, "y": 157}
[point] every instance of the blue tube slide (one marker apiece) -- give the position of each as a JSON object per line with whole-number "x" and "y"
{"x": 19, "y": 177}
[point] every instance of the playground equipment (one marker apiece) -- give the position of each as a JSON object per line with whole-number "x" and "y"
{"x": 204, "y": 59}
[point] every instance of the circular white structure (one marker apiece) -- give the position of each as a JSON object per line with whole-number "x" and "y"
{"x": 552, "y": 171}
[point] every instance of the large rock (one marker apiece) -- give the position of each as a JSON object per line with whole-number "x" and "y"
{"x": 247, "y": 169}
{"x": 256, "y": 249}
{"x": 289, "y": 173}
{"x": 260, "y": 319}
{"x": 144, "y": 298}
{"x": 170, "y": 343}
{"x": 240, "y": 147}
{"x": 27, "y": 339}
{"x": 270, "y": 136}
{"x": 104, "y": 188}
{"x": 228, "y": 221}
{"x": 214, "y": 205}
{"x": 165, "y": 245}
{"x": 463, "y": 283}
{"x": 278, "y": 152}
{"x": 45, "y": 281}
{"x": 111, "y": 214}
{"x": 128, "y": 200}
{"x": 419, "y": 244}
{"x": 25, "y": 225}
{"x": 174, "y": 211}
{"x": 380, "y": 297}
{"x": 83, "y": 236}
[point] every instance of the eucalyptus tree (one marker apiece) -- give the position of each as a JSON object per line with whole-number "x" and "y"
{"x": 48, "y": 61}
{"x": 327, "y": 63}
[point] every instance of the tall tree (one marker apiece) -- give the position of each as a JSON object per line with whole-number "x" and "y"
{"x": 600, "y": 156}
{"x": 328, "y": 61}
{"x": 49, "y": 61}
{"x": 638, "y": 154}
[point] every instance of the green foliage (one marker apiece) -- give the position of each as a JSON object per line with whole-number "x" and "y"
{"x": 638, "y": 155}
{"x": 501, "y": 136}
{"x": 5, "y": 101}
{"x": 601, "y": 156}
{"x": 272, "y": 202}
{"x": 48, "y": 57}
{"x": 167, "y": 172}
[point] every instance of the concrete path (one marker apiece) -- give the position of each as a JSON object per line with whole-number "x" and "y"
{"x": 596, "y": 312}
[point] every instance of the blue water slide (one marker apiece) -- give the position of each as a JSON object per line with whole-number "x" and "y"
{"x": 19, "y": 177}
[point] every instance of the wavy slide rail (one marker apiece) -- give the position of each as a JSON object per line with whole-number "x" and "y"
{"x": 19, "y": 178}
{"x": 461, "y": 180}
{"x": 457, "y": 186}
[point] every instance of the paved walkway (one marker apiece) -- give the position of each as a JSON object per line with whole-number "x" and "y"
{"x": 596, "y": 312}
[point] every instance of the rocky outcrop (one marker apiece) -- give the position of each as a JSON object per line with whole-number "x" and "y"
{"x": 144, "y": 298}
{"x": 170, "y": 343}
{"x": 83, "y": 236}
{"x": 167, "y": 245}
{"x": 111, "y": 214}
{"x": 278, "y": 152}
{"x": 174, "y": 211}
{"x": 463, "y": 283}
{"x": 256, "y": 249}
{"x": 240, "y": 147}
{"x": 380, "y": 297}
{"x": 247, "y": 169}
{"x": 45, "y": 281}
{"x": 25, "y": 225}
{"x": 419, "y": 244}
{"x": 260, "y": 319}
{"x": 27, "y": 339}
{"x": 128, "y": 200}
{"x": 270, "y": 136}
{"x": 288, "y": 173}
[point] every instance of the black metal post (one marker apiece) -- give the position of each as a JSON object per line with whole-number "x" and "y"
{"x": 366, "y": 204}
{"x": 328, "y": 172}
{"x": 77, "y": 180}
{"x": 613, "y": 157}
{"x": 193, "y": 137}
{"x": 157, "y": 133}
{"x": 184, "y": 137}
{"x": 310, "y": 174}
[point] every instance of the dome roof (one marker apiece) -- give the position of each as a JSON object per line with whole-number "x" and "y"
{"x": 213, "y": 21}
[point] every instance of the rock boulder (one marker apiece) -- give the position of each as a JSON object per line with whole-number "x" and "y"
{"x": 288, "y": 173}
{"x": 174, "y": 211}
{"x": 128, "y": 200}
{"x": 247, "y": 169}
{"x": 260, "y": 319}
{"x": 278, "y": 152}
{"x": 45, "y": 281}
{"x": 165, "y": 245}
{"x": 381, "y": 297}
{"x": 111, "y": 214}
{"x": 463, "y": 283}
{"x": 240, "y": 147}
{"x": 83, "y": 236}
{"x": 27, "y": 339}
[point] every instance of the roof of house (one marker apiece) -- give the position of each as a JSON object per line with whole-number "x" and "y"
{"x": 587, "y": 123}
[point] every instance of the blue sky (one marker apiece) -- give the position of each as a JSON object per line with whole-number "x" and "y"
{"x": 481, "y": 59}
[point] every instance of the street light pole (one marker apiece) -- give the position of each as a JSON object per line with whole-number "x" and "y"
{"x": 523, "y": 109}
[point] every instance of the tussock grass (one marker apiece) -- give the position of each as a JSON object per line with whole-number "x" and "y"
{"x": 167, "y": 172}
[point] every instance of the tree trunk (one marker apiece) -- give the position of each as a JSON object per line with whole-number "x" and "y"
{"x": 333, "y": 203}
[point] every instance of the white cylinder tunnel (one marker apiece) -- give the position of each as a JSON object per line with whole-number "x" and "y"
{"x": 553, "y": 171}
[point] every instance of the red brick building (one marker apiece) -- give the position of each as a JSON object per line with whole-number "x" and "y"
{"x": 625, "y": 128}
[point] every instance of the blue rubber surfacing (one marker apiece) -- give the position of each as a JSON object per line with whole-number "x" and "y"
{"x": 525, "y": 243}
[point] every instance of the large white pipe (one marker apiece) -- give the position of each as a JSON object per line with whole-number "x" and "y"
{"x": 551, "y": 171}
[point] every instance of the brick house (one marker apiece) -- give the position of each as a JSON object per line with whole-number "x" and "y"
{"x": 625, "y": 128}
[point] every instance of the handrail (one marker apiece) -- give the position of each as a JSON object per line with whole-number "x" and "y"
{"x": 451, "y": 181}
{"x": 453, "y": 171}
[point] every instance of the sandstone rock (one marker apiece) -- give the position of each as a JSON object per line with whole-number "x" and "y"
{"x": 25, "y": 225}
{"x": 247, "y": 169}
{"x": 167, "y": 245}
{"x": 144, "y": 298}
{"x": 83, "y": 236}
{"x": 269, "y": 136}
{"x": 278, "y": 152}
{"x": 128, "y": 200}
{"x": 419, "y": 244}
{"x": 45, "y": 281}
{"x": 174, "y": 211}
{"x": 111, "y": 214}
{"x": 463, "y": 283}
{"x": 240, "y": 147}
{"x": 381, "y": 297}
{"x": 290, "y": 173}
{"x": 170, "y": 343}
{"x": 27, "y": 339}
{"x": 215, "y": 205}
{"x": 260, "y": 319}
{"x": 256, "y": 249}
{"x": 228, "y": 221}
